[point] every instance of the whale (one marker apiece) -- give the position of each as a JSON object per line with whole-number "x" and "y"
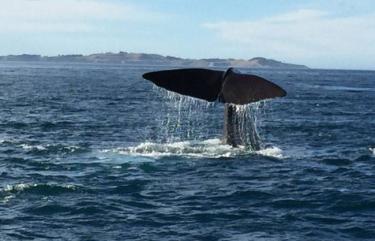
{"x": 230, "y": 87}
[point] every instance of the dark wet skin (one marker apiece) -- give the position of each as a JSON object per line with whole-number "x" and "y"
{"x": 232, "y": 135}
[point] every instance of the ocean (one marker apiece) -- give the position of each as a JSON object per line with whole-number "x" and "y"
{"x": 95, "y": 152}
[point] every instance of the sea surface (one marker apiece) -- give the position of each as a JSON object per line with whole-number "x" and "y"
{"x": 94, "y": 152}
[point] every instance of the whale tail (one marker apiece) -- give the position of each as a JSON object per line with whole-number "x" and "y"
{"x": 212, "y": 85}
{"x": 229, "y": 87}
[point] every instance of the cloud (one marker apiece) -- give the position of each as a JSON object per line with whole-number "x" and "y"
{"x": 303, "y": 35}
{"x": 67, "y": 15}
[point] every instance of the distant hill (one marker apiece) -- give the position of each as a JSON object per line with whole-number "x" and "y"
{"x": 155, "y": 59}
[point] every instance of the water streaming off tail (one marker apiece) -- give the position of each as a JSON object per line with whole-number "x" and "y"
{"x": 246, "y": 125}
{"x": 190, "y": 127}
{"x": 183, "y": 118}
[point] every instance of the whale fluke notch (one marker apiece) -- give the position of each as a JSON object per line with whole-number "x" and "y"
{"x": 211, "y": 85}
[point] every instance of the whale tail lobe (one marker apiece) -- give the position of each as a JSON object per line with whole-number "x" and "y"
{"x": 212, "y": 85}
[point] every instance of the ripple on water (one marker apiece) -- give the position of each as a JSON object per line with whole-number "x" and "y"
{"x": 53, "y": 149}
{"x": 337, "y": 161}
{"x": 42, "y": 149}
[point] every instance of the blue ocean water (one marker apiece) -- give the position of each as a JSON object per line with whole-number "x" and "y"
{"x": 94, "y": 152}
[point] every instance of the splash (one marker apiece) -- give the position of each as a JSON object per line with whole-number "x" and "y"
{"x": 185, "y": 118}
{"x": 211, "y": 148}
{"x": 272, "y": 152}
{"x": 181, "y": 118}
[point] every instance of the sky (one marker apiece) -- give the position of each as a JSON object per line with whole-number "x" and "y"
{"x": 338, "y": 34}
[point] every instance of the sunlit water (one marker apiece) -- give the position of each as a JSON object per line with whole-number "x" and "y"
{"x": 94, "y": 152}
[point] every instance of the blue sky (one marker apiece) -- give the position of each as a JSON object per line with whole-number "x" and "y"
{"x": 320, "y": 34}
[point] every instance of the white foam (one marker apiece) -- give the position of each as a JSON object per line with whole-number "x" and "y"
{"x": 71, "y": 148}
{"x": 271, "y": 152}
{"x": 212, "y": 148}
{"x": 10, "y": 191}
{"x": 33, "y": 147}
{"x": 18, "y": 187}
{"x": 28, "y": 147}
{"x": 24, "y": 186}
{"x": 372, "y": 149}
{"x": 38, "y": 147}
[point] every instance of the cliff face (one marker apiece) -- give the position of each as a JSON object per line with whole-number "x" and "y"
{"x": 155, "y": 59}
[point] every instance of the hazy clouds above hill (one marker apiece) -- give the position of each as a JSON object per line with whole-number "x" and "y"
{"x": 328, "y": 34}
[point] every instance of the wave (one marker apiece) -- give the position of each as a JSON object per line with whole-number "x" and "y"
{"x": 52, "y": 149}
{"x": 8, "y": 141}
{"x": 47, "y": 147}
{"x": 32, "y": 148}
{"x": 55, "y": 188}
{"x": 211, "y": 148}
{"x": 10, "y": 191}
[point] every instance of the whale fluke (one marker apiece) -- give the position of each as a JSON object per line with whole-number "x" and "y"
{"x": 211, "y": 85}
{"x": 229, "y": 87}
